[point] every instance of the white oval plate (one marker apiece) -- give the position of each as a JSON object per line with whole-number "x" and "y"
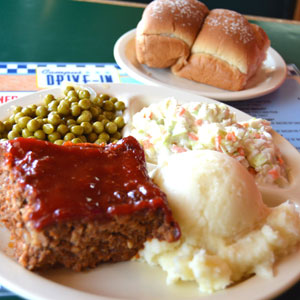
{"x": 267, "y": 79}
{"x": 134, "y": 280}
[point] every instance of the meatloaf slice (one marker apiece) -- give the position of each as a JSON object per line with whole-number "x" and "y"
{"x": 80, "y": 205}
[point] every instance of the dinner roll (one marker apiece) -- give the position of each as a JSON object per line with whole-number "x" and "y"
{"x": 227, "y": 51}
{"x": 167, "y": 31}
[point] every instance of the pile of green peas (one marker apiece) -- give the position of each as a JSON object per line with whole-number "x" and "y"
{"x": 75, "y": 117}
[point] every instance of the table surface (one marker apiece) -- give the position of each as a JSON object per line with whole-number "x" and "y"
{"x": 83, "y": 31}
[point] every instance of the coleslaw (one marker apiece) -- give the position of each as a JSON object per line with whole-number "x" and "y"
{"x": 169, "y": 127}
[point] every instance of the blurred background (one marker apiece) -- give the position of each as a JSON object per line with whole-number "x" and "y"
{"x": 283, "y": 9}
{"x": 75, "y": 31}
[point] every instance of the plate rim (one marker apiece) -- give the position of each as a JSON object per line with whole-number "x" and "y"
{"x": 12, "y": 274}
{"x": 121, "y": 59}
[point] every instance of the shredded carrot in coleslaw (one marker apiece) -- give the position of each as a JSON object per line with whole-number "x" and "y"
{"x": 230, "y": 136}
{"x": 193, "y": 136}
{"x": 274, "y": 173}
{"x": 177, "y": 149}
{"x": 218, "y": 140}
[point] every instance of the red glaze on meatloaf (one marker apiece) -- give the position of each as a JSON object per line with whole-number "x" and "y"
{"x": 78, "y": 205}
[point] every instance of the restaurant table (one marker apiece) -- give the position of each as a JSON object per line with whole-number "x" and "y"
{"x": 61, "y": 31}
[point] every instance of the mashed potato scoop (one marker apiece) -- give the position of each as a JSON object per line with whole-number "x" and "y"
{"x": 212, "y": 195}
{"x": 228, "y": 233}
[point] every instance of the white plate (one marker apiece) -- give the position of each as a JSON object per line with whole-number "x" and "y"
{"x": 134, "y": 280}
{"x": 267, "y": 79}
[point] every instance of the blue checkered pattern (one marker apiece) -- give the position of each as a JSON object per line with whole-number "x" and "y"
{"x": 17, "y": 69}
{"x": 30, "y": 68}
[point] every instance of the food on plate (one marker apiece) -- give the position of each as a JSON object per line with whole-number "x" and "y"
{"x": 168, "y": 127}
{"x": 218, "y": 47}
{"x": 228, "y": 233}
{"x": 167, "y": 31}
{"x": 201, "y": 217}
{"x": 78, "y": 205}
{"x": 77, "y": 117}
{"x": 227, "y": 52}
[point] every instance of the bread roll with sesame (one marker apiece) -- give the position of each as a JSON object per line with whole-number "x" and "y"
{"x": 167, "y": 31}
{"x": 227, "y": 51}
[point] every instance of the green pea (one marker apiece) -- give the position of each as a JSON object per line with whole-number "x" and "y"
{"x": 77, "y": 130}
{"x": 98, "y": 127}
{"x": 59, "y": 142}
{"x": 22, "y": 122}
{"x": 72, "y": 99}
{"x": 75, "y": 110}
{"x": 27, "y": 111}
{"x": 33, "y": 125}
{"x": 8, "y": 125}
{"x": 111, "y": 127}
{"x": 119, "y": 105}
{"x": 87, "y": 127}
{"x": 72, "y": 93}
{"x": 113, "y": 140}
{"x": 101, "y": 117}
{"x": 40, "y": 120}
{"x": 108, "y": 105}
{"x": 69, "y": 136}
{"x": 54, "y": 136}
{"x": 71, "y": 122}
{"x": 41, "y": 111}
{"x": 16, "y": 128}
{"x": 104, "y": 97}
{"x": 2, "y": 127}
{"x": 83, "y": 94}
{"x": 62, "y": 129}
{"x": 40, "y": 134}
{"x": 100, "y": 141}
{"x": 33, "y": 107}
{"x": 68, "y": 89}
{"x": 17, "y": 116}
{"x": 105, "y": 121}
{"x": 109, "y": 115}
{"x": 98, "y": 101}
{"x": 26, "y": 133}
{"x": 117, "y": 135}
{"x": 11, "y": 118}
{"x": 48, "y": 128}
{"x": 16, "y": 109}
{"x": 52, "y": 106}
{"x": 119, "y": 121}
{"x": 85, "y": 103}
{"x": 104, "y": 136}
{"x": 92, "y": 137}
{"x": 54, "y": 118}
{"x": 85, "y": 116}
{"x": 83, "y": 138}
{"x": 76, "y": 140}
{"x": 64, "y": 102}
{"x": 48, "y": 98}
{"x": 95, "y": 110}
{"x": 113, "y": 99}
{"x": 12, "y": 135}
{"x": 63, "y": 108}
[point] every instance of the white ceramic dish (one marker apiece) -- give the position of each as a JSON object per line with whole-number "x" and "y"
{"x": 134, "y": 280}
{"x": 268, "y": 79}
